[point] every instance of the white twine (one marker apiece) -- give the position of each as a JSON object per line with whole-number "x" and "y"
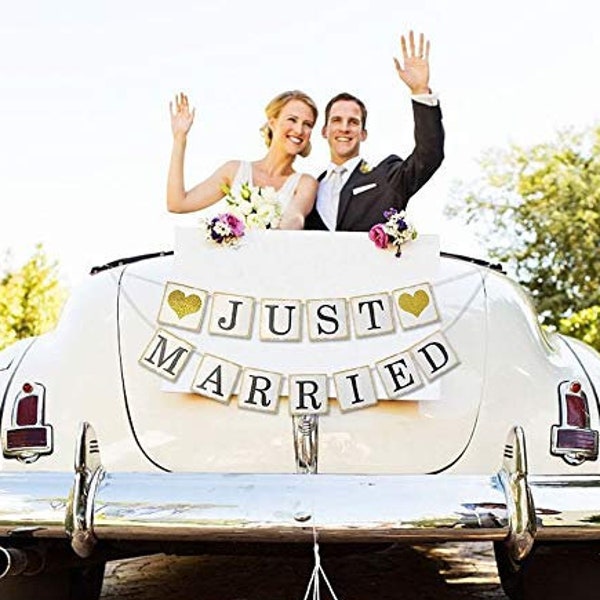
{"x": 314, "y": 581}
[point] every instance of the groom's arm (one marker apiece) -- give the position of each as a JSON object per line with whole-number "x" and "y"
{"x": 405, "y": 177}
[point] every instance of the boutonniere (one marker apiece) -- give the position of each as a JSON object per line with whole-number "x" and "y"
{"x": 365, "y": 167}
{"x": 395, "y": 232}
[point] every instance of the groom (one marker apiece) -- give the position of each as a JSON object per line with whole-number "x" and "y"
{"x": 353, "y": 195}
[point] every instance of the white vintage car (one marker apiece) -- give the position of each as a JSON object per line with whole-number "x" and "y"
{"x": 298, "y": 385}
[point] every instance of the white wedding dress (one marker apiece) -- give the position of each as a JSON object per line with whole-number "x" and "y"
{"x": 285, "y": 192}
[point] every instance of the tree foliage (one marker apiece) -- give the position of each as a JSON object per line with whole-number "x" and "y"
{"x": 584, "y": 325}
{"x": 31, "y": 299}
{"x": 538, "y": 210}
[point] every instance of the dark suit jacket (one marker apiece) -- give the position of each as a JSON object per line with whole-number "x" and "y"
{"x": 369, "y": 192}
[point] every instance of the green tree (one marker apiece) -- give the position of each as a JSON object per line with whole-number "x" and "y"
{"x": 584, "y": 325}
{"x": 538, "y": 210}
{"x": 31, "y": 299}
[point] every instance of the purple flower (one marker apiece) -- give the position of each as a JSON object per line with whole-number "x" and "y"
{"x": 214, "y": 234}
{"x": 378, "y": 235}
{"x": 390, "y": 212}
{"x": 401, "y": 225}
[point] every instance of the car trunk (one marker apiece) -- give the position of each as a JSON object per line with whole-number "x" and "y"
{"x": 421, "y": 431}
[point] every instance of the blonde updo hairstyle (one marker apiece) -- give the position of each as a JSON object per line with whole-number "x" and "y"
{"x": 274, "y": 107}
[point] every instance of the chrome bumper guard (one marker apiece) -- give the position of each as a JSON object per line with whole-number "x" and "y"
{"x": 95, "y": 505}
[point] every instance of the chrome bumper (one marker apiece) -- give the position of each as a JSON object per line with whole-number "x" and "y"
{"x": 95, "y": 505}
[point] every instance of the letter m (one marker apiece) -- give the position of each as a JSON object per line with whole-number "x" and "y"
{"x": 166, "y": 355}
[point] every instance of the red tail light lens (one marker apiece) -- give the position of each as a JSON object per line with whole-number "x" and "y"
{"x": 27, "y": 411}
{"x": 577, "y": 411}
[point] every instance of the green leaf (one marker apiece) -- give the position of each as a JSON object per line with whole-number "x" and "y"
{"x": 537, "y": 210}
{"x": 31, "y": 299}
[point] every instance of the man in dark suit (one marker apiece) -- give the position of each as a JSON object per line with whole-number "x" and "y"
{"x": 353, "y": 195}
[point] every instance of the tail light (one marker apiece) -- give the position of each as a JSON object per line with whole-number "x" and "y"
{"x": 28, "y": 436}
{"x": 573, "y": 439}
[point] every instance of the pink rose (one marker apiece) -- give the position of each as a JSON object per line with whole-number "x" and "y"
{"x": 236, "y": 225}
{"x": 378, "y": 235}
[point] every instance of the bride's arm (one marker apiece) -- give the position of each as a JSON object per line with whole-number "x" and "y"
{"x": 301, "y": 203}
{"x": 201, "y": 195}
{"x": 208, "y": 191}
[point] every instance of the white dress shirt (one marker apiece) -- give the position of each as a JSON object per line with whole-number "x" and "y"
{"x": 327, "y": 202}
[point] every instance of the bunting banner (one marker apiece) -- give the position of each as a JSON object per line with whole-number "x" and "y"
{"x": 310, "y": 317}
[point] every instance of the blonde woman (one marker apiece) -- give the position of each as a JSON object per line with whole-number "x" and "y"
{"x": 291, "y": 117}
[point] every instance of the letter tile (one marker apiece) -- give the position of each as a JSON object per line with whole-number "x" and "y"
{"x": 399, "y": 375}
{"x": 216, "y": 378}
{"x": 260, "y": 390}
{"x": 166, "y": 354}
{"x": 231, "y": 315}
{"x": 308, "y": 394}
{"x": 372, "y": 315}
{"x": 434, "y": 355}
{"x": 280, "y": 320}
{"x": 355, "y": 388}
{"x": 327, "y": 319}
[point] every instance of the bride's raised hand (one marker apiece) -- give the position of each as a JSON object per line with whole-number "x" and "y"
{"x": 181, "y": 116}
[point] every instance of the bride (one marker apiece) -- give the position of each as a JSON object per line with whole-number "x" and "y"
{"x": 291, "y": 117}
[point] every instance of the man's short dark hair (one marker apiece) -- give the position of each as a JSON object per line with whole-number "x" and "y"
{"x": 351, "y": 98}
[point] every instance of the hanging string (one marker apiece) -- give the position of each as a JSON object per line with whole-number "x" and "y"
{"x": 317, "y": 573}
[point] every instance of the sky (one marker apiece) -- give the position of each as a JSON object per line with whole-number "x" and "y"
{"x": 85, "y": 86}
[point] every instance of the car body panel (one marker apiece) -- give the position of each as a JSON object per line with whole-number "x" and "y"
{"x": 508, "y": 371}
{"x": 135, "y": 454}
{"x": 414, "y": 433}
{"x": 410, "y": 438}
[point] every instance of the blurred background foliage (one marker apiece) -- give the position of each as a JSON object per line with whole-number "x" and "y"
{"x": 31, "y": 297}
{"x": 537, "y": 211}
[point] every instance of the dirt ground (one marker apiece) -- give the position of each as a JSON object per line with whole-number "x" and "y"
{"x": 445, "y": 571}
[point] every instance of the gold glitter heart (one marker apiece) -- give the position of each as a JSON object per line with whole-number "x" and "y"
{"x": 184, "y": 305}
{"x": 415, "y": 303}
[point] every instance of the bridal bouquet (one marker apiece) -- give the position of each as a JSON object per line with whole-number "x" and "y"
{"x": 257, "y": 207}
{"x": 225, "y": 229}
{"x": 394, "y": 232}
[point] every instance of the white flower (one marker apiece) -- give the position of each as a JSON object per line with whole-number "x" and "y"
{"x": 267, "y": 212}
{"x": 255, "y": 221}
{"x": 258, "y": 207}
{"x": 256, "y": 198}
{"x": 246, "y": 207}
{"x": 222, "y": 229}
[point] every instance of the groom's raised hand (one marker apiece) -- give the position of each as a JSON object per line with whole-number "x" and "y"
{"x": 414, "y": 69}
